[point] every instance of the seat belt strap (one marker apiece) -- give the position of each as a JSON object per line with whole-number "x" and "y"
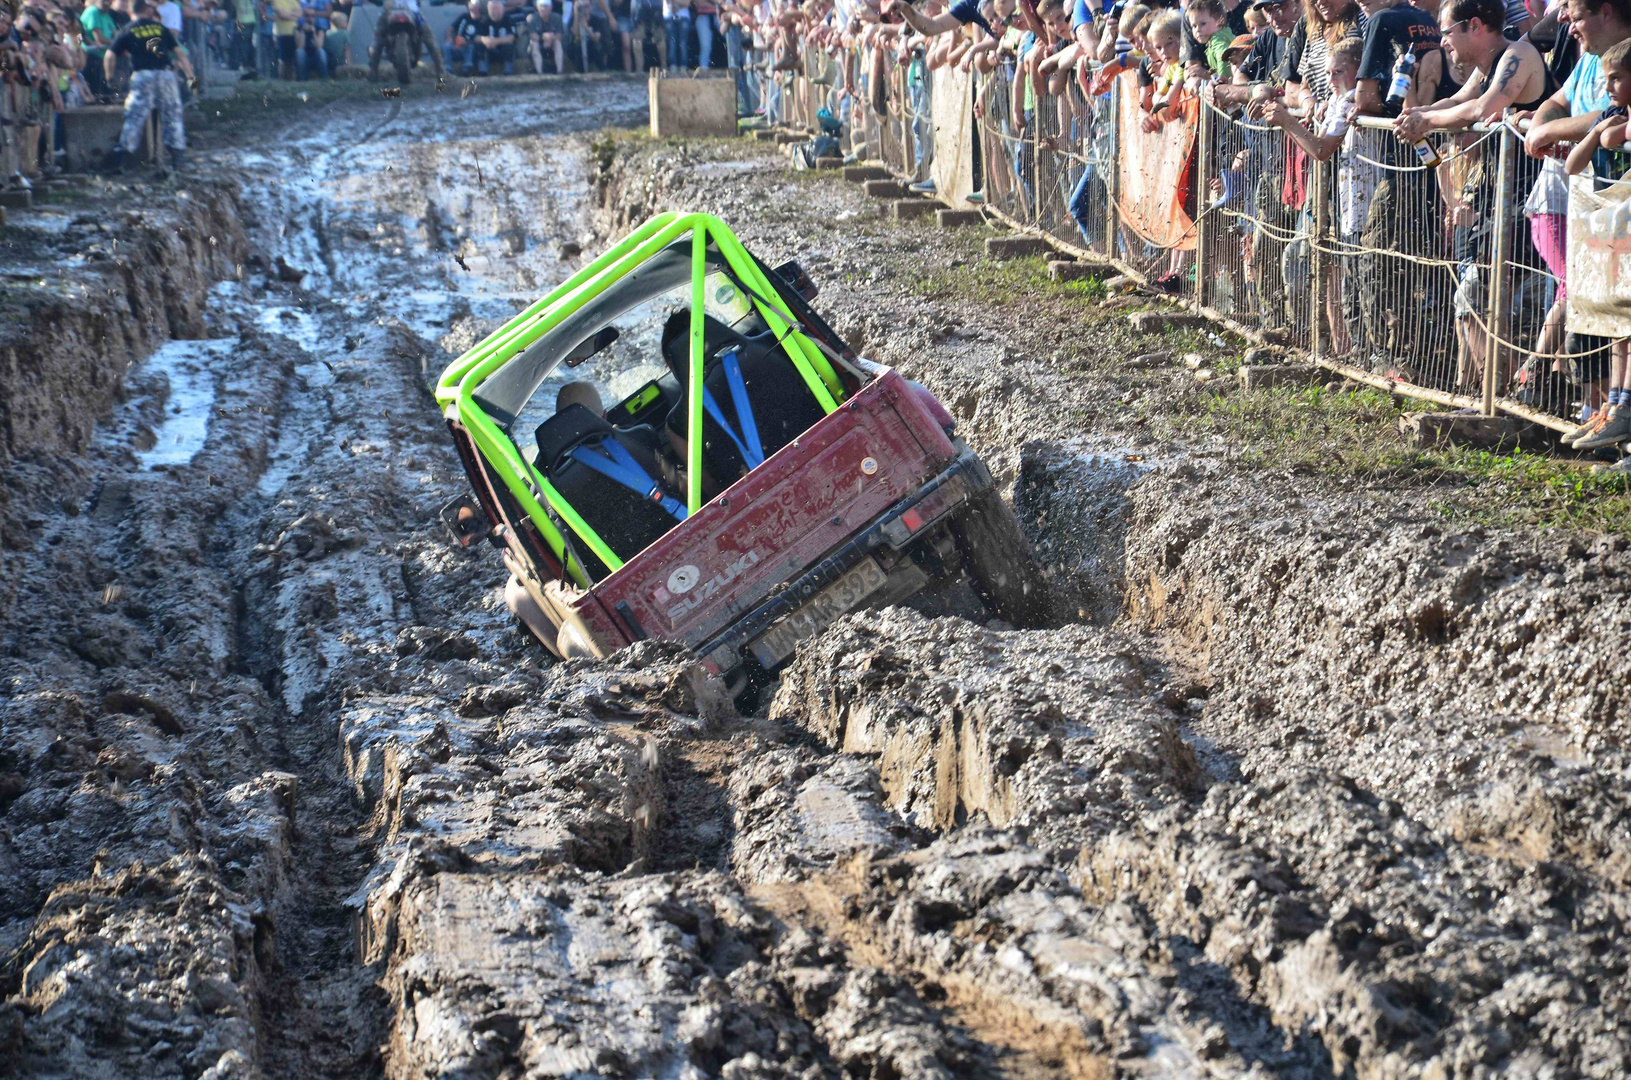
{"x": 744, "y": 407}
{"x": 615, "y": 463}
{"x": 712, "y": 406}
{"x": 747, "y": 444}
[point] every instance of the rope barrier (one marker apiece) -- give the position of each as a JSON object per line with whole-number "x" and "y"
{"x": 1074, "y": 133}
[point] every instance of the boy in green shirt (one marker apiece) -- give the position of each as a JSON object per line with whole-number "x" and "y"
{"x": 97, "y": 30}
{"x": 1209, "y": 20}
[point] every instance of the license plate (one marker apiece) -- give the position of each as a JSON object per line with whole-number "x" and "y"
{"x": 858, "y": 583}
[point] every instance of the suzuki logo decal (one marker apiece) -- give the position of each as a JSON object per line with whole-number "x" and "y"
{"x": 709, "y": 589}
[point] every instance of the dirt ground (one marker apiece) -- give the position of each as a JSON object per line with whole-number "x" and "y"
{"x": 1321, "y": 770}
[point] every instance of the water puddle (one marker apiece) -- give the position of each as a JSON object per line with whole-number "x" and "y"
{"x": 185, "y": 365}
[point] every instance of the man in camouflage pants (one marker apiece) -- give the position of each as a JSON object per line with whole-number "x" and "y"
{"x": 153, "y": 52}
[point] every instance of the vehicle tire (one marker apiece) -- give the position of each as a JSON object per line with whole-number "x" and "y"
{"x": 1000, "y": 560}
{"x": 401, "y": 59}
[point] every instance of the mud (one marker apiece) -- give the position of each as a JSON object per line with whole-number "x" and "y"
{"x": 1304, "y": 782}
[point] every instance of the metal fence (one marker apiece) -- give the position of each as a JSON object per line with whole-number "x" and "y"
{"x": 1421, "y": 280}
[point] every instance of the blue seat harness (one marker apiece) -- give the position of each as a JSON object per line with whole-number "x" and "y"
{"x": 747, "y": 443}
{"x": 614, "y": 462}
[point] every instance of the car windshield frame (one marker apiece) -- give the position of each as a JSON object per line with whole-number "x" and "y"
{"x": 504, "y": 394}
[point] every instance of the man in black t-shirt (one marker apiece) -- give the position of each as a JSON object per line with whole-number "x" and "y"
{"x": 1403, "y": 217}
{"x": 1390, "y": 32}
{"x": 460, "y": 50}
{"x": 152, "y": 51}
{"x": 1255, "y": 178}
{"x": 1267, "y": 60}
{"x": 495, "y": 40}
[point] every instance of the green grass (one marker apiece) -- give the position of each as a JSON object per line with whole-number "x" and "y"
{"x": 1524, "y": 488}
{"x": 1353, "y": 436}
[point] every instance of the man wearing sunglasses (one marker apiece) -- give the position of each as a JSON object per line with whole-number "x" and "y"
{"x": 1502, "y": 75}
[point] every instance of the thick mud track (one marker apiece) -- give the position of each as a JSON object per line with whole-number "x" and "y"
{"x": 1307, "y": 784}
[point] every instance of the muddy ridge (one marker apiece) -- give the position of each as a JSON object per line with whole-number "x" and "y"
{"x": 1303, "y": 782}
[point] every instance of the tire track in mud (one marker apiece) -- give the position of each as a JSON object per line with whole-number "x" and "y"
{"x": 1303, "y": 905}
{"x": 361, "y": 826}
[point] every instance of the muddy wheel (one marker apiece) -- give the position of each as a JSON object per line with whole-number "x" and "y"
{"x": 999, "y": 559}
{"x": 401, "y": 59}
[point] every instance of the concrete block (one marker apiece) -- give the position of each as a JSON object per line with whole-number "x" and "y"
{"x": 699, "y": 104}
{"x": 955, "y": 219}
{"x": 1016, "y": 247}
{"x": 1059, "y": 270}
{"x": 885, "y": 189}
{"x": 764, "y": 135}
{"x": 1459, "y": 429}
{"x": 1153, "y": 322}
{"x": 1270, "y": 376}
{"x": 17, "y": 199}
{"x": 1121, "y": 283}
{"x": 829, "y": 162}
{"x": 910, "y": 209}
{"x": 860, "y": 174}
{"x": 784, "y": 138}
{"x": 89, "y": 134}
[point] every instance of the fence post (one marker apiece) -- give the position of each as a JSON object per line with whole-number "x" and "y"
{"x": 1318, "y": 191}
{"x": 1112, "y": 213}
{"x": 1034, "y": 134}
{"x": 1497, "y": 322}
{"x": 1203, "y": 173}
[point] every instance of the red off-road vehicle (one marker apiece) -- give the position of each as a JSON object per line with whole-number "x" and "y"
{"x": 750, "y": 481}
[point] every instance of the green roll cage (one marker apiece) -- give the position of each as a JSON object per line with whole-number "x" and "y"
{"x": 457, "y": 386}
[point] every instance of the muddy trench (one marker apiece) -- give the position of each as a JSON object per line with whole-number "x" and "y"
{"x": 1302, "y": 782}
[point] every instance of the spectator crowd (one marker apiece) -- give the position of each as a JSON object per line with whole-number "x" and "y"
{"x": 1384, "y": 90}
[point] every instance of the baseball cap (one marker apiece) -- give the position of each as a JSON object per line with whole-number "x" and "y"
{"x": 1264, "y": 3}
{"x": 1244, "y": 41}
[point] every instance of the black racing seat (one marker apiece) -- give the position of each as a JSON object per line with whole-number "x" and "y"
{"x": 756, "y": 401}
{"x": 611, "y": 477}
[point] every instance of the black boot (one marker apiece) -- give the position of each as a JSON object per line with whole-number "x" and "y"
{"x": 116, "y": 160}
{"x": 178, "y": 159}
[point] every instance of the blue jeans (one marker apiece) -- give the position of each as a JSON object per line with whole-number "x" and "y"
{"x": 679, "y": 39}
{"x": 706, "y": 26}
{"x": 773, "y": 97}
{"x": 1081, "y": 204}
{"x": 922, "y": 125}
{"x": 302, "y": 63}
{"x": 747, "y": 82}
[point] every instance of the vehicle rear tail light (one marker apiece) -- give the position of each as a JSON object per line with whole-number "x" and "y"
{"x": 898, "y": 531}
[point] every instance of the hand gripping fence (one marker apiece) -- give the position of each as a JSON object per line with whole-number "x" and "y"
{"x": 1430, "y": 285}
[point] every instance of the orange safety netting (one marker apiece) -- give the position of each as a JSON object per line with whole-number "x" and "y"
{"x": 1155, "y": 170}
